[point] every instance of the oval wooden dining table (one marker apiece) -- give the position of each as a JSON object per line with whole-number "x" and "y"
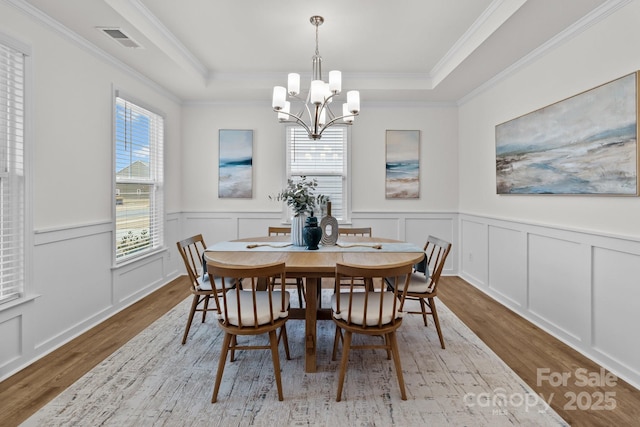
{"x": 313, "y": 265}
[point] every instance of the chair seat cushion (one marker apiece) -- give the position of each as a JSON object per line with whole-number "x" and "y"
{"x": 419, "y": 284}
{"x": 204, "y": 284}
{"x": 263, "y": 308}
{"x": 373, "y": 307}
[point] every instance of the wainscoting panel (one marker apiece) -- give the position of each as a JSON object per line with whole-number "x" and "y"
{"x": 418, "y": 229}
{"x": 616, "y": 297}
{"x": 172, "y": 262}
{"x": 508, "y": 264}
{"x": 74, "y": 287}
{"x": 132, "y": 282}
{"x": 412, "y": 227}
{"x": 579, "y": 286}
{"x": 409, "y": 226}
{"x": 389, "y": 228}
{"x": 213, "y": 227}
{"x": 559, "y": 292}
{"x": 17, "y": 332}
{"x": 11, "y": 333}
{"x": 258, "y": 226}
{"x": 73, "y": 277}
{"x": 474, "y": 245}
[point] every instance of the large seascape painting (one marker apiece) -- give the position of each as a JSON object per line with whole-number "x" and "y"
{"x": 235, "y": 163}
{"x": 403, "y": 164}
{"x": 586, "y": 144}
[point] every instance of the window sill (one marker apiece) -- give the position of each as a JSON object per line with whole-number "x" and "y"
{"x": 5, "y": 306}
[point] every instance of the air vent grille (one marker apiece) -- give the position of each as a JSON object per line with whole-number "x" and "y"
{"x": 119, "y": 36}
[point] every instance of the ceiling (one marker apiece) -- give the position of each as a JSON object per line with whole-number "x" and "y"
{"x": 392, "y": 51}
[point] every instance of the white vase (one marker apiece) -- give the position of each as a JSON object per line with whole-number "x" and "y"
{"x": 297, "y": 227}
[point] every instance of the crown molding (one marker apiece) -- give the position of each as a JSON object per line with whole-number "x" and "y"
{"x": 426, "y": 81}
{"x": 498, "y": 12}
{"x": 598, "y": 14}
{"x": 87, "y": 46}
{"x": 373, "y": 104}
{"x": 411, "y": 104}
{"x": 208, "y": 103}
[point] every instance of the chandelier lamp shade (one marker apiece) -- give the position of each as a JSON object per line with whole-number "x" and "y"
{"x": 315, "y": 115}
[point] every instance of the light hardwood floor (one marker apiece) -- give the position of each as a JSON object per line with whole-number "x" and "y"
{"x": 523, "y": 346}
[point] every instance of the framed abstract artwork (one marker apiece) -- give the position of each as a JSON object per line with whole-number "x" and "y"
{"x": 235, "y": 163}
{"x": 402, "y": 164}
{"x": 585, "y": 144}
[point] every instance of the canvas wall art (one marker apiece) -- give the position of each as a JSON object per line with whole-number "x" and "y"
{"x": 586, "y": 144}
{"x": 402, "y": 164}
{"x": 235, "y": 163}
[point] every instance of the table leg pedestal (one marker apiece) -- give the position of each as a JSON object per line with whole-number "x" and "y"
{"x": 312, "y": 287}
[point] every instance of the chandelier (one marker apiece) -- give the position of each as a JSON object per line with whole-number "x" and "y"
{"x": 315, "y": 115}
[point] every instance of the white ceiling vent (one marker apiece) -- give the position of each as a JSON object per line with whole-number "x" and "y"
{"x": 119, "y": 36}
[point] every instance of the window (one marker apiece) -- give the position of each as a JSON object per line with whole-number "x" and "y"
{"x": 12, "y": 177}
{"x": 139, "y": 210}
{"x": 325, "y": 160}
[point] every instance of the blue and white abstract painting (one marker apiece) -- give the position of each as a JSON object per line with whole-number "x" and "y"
{"x": 235, "y": 167}
{"x": 586, "y": 144}
{"x": 403, "y": 164}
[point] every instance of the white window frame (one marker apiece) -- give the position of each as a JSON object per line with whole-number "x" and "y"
{"x": 155, "y": 180}
{"x": 15, "y": 217}
{"x": 344, "y": 173}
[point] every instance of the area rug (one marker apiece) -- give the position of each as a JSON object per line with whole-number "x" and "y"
{"x": 153, "y": 380}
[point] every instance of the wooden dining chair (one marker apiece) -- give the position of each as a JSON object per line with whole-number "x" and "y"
{"x": 423, "y": 283}
{"x": 354, "y": 231}
{"x": 375, "y": 312}
{"x": 295, "y": 281}
{"x": 279, "y": 231}
{"x": 192, "y": 250}
{"x": 250, "y": 311}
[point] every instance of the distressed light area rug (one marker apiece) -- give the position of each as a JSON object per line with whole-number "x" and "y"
{"x": 153, "y": 380}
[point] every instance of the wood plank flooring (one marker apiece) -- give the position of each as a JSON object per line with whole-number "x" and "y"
{"x": 24, "y": 393}
{"x": 524, "y": 347}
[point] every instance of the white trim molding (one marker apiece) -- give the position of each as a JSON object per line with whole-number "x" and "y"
{"x": 579, "y": 286}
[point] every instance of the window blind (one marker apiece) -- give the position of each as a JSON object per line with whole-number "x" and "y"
{"x": 324, "y": 160}
{"x": 139, "y": 136}
{"x": 12, "y": 186}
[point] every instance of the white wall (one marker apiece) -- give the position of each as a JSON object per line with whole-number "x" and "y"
{"x": 71, "y": 283}
{"x": 568, "y": 263}
{"x": 600, "y": 54}
{"x": 438, "y": 150}
{"x": 221, "y": 219}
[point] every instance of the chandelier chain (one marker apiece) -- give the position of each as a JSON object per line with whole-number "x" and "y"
{"x": 317, "y": 51}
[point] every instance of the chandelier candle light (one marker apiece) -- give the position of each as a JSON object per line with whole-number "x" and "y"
{"x": 320, "y": 95}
